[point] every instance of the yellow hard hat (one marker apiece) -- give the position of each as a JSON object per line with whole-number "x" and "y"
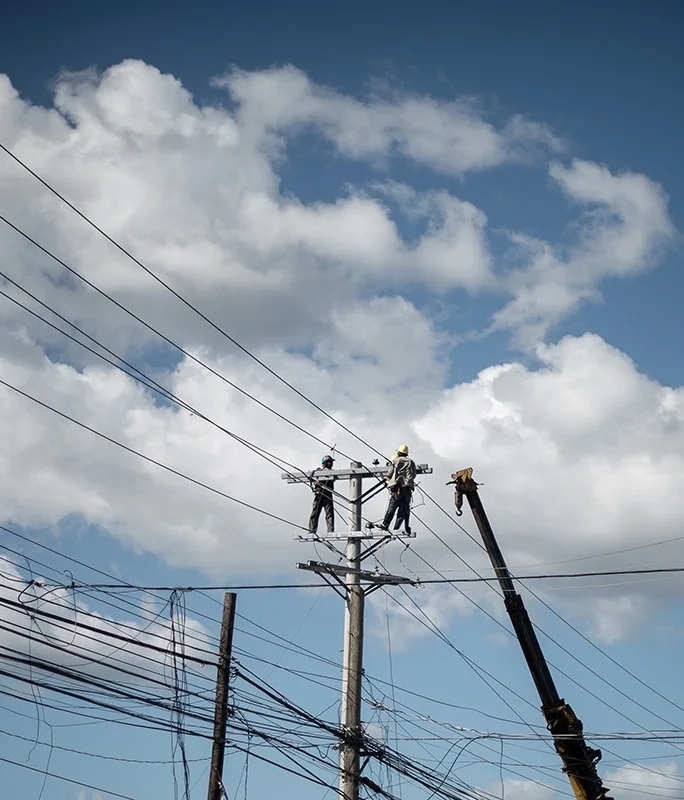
{"x": 403, "y": 449}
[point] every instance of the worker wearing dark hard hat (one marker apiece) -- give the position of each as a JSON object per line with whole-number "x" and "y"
{"x": 401, "y": 480}
{"x": 323, "y": 495}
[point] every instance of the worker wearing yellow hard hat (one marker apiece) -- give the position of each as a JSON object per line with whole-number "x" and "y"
{"x": 401, "y": 480}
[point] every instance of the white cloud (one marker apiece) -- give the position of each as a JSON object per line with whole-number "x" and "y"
{"x": 639, "y": 782}
{"x": 622, "y": 233}
{"x": 560, "y": 451}
{"x": 632, "y": 781}
{"x": 579, "y": 457}
{"x": 315, "y": 290}
{"x": 193, "y": 191}
{"x": 59, "y": 640}
{"x": 614, "y": 618}
{"x": 450, "y": 137}
{"x": 523, "y": 789}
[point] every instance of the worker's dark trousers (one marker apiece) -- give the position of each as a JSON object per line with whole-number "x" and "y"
{"x": 400, "y": 501}
{"x": 322, "y": 500}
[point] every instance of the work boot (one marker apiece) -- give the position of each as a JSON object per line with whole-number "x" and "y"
{"x": 382, "y": 526}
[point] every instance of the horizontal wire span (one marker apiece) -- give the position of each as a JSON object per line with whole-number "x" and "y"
{"x": 419, "y": 581}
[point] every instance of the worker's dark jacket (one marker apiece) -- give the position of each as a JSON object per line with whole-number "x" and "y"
{"x": 322, "y": 485}
{"x": 323, "y": 500}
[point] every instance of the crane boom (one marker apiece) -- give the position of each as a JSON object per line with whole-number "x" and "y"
{"x": 579, "y": 760}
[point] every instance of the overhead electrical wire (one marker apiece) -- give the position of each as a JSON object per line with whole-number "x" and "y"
{"x": 152, "y": 274}
{"x": 130, "y": 607}
{"x": 535, "y": 735}
{"x": 101, "y": 631}
{"x": 482, "y": 742}
{"x": 182, "y": 299}
{"x": 52, "y": 669}
{"x": 582, "y": 686}
{"x": 178, "y": 347}
{"x": 601, "y": 650}
{"x": 134, "y": 373}
{"x": 141, "y": 377}
{"x": 245, "y": 350}
{"x": 102, "y": 756}
{"x": 72, "y": 781}
{"x": 166, "y": 339}
{"x": 420, "y": 581}
{"x": 146, "y": 678}
{"x": 151, "y": 724}
{"x": 109, "y": 686}
{"x": 149, "y": 459}
{"x": 157, "y": 723}
{"x": 102, "y": 624}
{"x": 187, "y": 303}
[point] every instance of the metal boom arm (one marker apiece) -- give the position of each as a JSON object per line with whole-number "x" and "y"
{"x": 579, "y": 760}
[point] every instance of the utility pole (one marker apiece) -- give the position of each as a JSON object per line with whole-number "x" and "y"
{"x": 216, "y": 789}
{"x": 353, "y": 584}
{"x": 352, "y": 661}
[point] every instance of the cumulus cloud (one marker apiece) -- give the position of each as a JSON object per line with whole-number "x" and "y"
{"x": 194, "y": 192}
{"x": 327, "y": 293}
{"x": 625, "y": 228}
{"x": 47, "y": 626}
{"x": 633, "y": 781}
{"x": 582, "y": 456}
{"x": 451, "y": 137}
{"x": 640, "y": 782}
{"x": 599, "y": 443}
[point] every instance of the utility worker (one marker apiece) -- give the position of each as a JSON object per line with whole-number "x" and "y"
{"x": 323, "y": 496}
{"x": 401, "y": 480}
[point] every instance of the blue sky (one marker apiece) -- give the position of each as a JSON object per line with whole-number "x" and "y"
{"x": 602, "y": 77}
{"x": 304, "y": 202}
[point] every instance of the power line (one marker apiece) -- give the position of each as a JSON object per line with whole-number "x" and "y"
{"x": 187, "y": 303}
{"x": 418, "y": 580}
{"x": 46, "y": 642}
{"x": 109, "y": 687}
{"x": 102, "y": 756}
{"x": 67, "y": 780}
{"x": 187, "y": 353}
{"x": 158, "y": 333}
{"x": 209, "y": 321}
{"x": 150, "y": 459}
{"x": 70, "y": 269}
{"x": 101, "y": 631}
{"x": 122, "y": 584}
{"x": 141, "y": 376}
{"x": 603, "y": 652}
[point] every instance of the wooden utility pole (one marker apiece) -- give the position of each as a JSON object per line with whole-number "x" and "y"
{"x": 352, "y": 663}
{"x": 216, "y": 790}
{"x": 353, "y": 584}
